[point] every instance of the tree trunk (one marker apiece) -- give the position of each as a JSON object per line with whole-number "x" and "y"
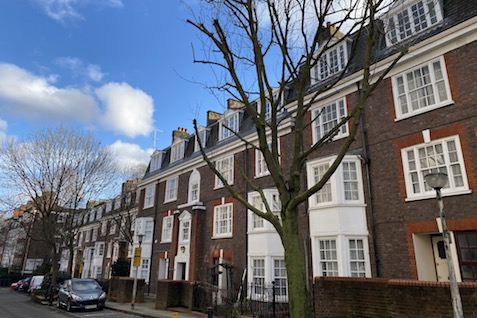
{"x": 298, "y": 294}
{"x": 54, "y": 276}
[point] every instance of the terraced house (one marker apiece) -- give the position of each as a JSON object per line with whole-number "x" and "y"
{"x": 376, "y": 216}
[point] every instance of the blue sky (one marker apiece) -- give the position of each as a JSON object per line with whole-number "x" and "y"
{"x": 118, "y": 68}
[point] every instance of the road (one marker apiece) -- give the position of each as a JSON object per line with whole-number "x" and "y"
{"x": 18, "y": 305}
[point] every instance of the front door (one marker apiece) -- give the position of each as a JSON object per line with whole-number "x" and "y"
{"x": 442, "y": 269}
{"x": 182, "y": 257}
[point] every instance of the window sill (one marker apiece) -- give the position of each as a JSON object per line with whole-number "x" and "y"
{"x": 433, "y": 195}
{"x": 336, "y": 205}
{"x": 170, "y": 200}
{"x": 262, "y": 175}
{"x": 424, "y": 110}
{"x": 218, "y": 237}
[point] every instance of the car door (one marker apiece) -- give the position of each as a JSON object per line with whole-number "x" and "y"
{"x": 63, "y": 292}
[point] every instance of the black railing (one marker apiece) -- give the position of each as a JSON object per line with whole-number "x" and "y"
{"x": 261, "y": 301}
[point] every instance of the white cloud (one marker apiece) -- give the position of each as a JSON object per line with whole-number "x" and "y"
{"x": 116, "y": 107}
{"x": 79, "y": 68}
{"x": 36, "y": 97}
{"x": 94, "y": 72}
{"x": 130, "y": 155}
{"x": 128, "y": 110}
{"x": 66, "y": 10}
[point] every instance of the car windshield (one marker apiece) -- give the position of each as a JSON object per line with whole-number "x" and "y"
{"x": 84, "y": 285}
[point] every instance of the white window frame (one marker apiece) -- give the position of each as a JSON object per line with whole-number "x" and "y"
{"x": 87, "y": 235}
{"x": 144, "y": 268}
{"x": 148, "y": 230}
{"x": 177, "y": 150}
{"x": 279, "y": 276}
{"x": 342, "y": 183}
{"x": 258, "y": 275}
{"x": 184, "y": 227}
{"x": 451, "y": 161}
{"x": 331, "y": 62}
{"x": 326, "y": 117}
{"x": 149, "y": 195}
{"x": 261, "y": 167}
{"x": 194, "y": 187}
{"x": 229, "y": 124}
{"x": 99, "y": 249}
{"x": 268, "y": 105}
{"x": 94, "y": 235}
{"x": 408, "y": 86}
{"x": 104, "y": 227}
{"x": 258, "y": 223}
{"x": 113, "y": 227}
{"x": 156, "y": 160}
{"x": 172, "y": 186}
{"x": 167, "y": 226}
{"x": 203, "y": 134}
{"x": 226, "y": 168}
{"x": 328, "y": 257}
{"x": 357, "y": 257}
{"x": 405, "y": 20}
{"x": 223, "y": 220}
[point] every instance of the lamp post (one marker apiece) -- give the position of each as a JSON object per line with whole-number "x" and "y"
{"x": 136, "y": 263}
{"x": 438, "y": 180}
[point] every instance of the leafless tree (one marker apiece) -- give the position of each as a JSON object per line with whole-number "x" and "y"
{"x": 126, "y": 213}
{"x": 57, "y": 170}
{"x": 262, "y": 51}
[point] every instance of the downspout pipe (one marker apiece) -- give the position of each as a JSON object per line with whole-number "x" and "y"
{"x": 369, "y": 197}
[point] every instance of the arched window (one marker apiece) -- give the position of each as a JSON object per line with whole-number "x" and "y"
{"x": 194, "y": 186}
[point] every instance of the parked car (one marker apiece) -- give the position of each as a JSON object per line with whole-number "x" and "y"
{"x": 79, "y": 293}
{"x": 35, "y": 283}
{"x": 23, "y": 284}
{"x": 14, "y": 285}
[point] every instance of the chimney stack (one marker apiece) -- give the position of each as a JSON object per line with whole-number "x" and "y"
{"x": 179, "y": 133}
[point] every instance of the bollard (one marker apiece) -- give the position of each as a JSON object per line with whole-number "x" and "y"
{"x": 209, "y": 312}
{"x": 175, "y": 315}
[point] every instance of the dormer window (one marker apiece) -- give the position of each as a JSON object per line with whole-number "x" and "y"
{"x": 229, "y": 124}
{"x": 411, "y": 17}
{"x": 156, "y": 160}
{"x": 203, "y": 134}
{"x": 331, "y": 62}
{"x": 177, "y": 150}
{"x": 268, "y": 105}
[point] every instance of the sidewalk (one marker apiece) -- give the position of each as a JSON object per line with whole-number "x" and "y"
{"x": 147, "y": 310}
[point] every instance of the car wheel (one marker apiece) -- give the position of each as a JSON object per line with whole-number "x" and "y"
{"x": 68, "y": 305}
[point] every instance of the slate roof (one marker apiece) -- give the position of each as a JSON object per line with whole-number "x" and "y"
{"x": 454, "y": 13}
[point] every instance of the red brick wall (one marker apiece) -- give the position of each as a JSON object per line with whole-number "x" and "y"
{"x": 379, "y": 297}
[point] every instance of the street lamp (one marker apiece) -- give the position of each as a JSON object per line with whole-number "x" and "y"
{"x": 136, "y": 263}
{"x": 438, "y": 180}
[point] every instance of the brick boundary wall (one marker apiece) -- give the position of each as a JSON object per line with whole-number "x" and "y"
{"x": 381, "y": 297}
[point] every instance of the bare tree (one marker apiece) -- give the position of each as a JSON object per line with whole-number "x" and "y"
{"x": 126, "y": 213}
{"x": 263, "y": 52}
{"x": 57, "y": 170}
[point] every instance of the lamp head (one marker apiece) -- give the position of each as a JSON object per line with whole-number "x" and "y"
{"x": 140, "y": 237}
{"x": 436, "y": 180}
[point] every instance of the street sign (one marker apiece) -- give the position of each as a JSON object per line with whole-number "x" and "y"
{"x": 137, "y": 256}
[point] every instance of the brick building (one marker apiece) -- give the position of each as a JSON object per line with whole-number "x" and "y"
{"x": 375, "y": 217}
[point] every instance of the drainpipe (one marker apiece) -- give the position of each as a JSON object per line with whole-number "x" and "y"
{"x": 153, "y": 238}
{"x": 369, "y": 198}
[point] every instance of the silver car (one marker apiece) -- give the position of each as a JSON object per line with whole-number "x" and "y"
{"x": 79, "y": 293}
